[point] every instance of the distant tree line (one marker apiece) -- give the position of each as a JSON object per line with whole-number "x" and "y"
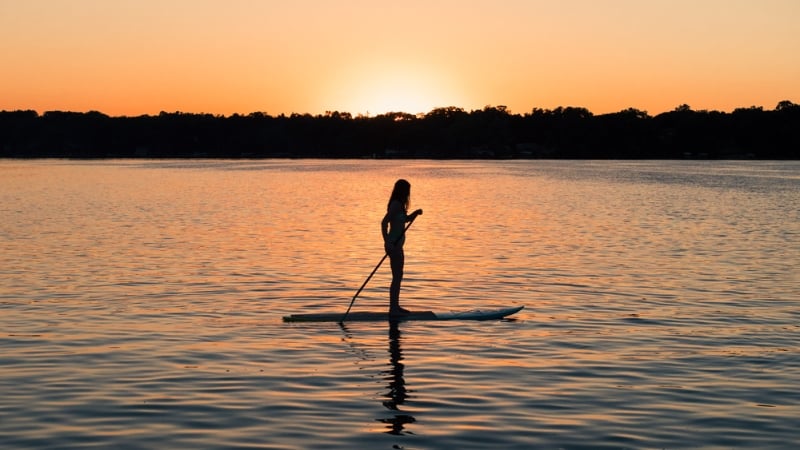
{"x": 451, "y": 132}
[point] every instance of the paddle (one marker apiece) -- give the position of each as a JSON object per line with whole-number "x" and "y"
{"x": 376, "y": 269}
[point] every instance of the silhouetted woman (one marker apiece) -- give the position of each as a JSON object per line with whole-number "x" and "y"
{"x": 392, "y": 228}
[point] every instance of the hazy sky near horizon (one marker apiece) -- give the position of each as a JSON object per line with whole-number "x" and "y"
{"x": 133, "y": 57}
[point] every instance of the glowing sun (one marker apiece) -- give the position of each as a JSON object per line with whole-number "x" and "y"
{"x": 377, "y": 90}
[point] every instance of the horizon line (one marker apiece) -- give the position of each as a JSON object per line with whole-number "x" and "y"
{"x": 683, "y": 106}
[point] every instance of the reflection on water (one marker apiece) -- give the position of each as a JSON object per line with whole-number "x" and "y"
{"x": 397, "y": 393}
{"x": 391, "y": 375}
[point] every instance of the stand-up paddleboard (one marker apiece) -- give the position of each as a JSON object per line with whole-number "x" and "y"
{"x": 475, "y": 314}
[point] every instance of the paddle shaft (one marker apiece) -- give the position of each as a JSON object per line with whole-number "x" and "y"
{"x": 373, "y": 271}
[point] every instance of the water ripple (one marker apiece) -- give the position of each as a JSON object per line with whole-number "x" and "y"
{"x": 141, "y": 306}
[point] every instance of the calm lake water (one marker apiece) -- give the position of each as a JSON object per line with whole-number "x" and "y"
{"x": 141, "y": 305}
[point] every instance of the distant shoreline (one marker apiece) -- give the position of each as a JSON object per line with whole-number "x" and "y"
{"x": 443, "y": 133}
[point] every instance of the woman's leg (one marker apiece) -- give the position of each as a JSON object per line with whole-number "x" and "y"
{"x": 397, "y": 260}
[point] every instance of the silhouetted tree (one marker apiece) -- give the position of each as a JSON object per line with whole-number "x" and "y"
{"x": 447, "y": 132}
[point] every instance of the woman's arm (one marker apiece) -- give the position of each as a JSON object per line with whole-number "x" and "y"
{"x": 385, "y": 226}
{"x": 413, "y": 215}
{"x": 391, "y": 213}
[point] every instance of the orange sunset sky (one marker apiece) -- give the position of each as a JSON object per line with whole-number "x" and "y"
{"x": 133, "y": 57}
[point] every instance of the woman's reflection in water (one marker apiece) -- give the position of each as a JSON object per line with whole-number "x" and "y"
{"x": 397, "y": 394}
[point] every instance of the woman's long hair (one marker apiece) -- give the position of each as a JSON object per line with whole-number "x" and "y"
{"x": 401, "y": 193}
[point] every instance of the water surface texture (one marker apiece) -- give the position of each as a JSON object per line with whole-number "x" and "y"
{"x": 141, "y": 305}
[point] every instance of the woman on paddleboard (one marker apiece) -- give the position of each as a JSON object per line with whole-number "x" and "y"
{"x": 393, "y": 231}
